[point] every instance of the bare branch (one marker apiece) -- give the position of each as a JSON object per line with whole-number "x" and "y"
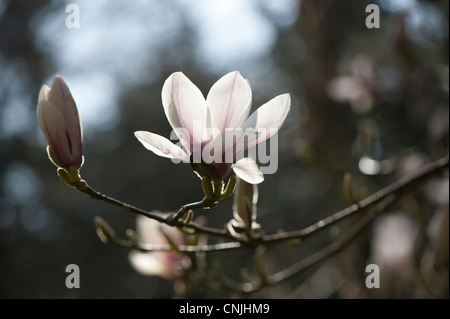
{"x": 394, "y": 190}
{"x": 162, "y": 218}
{"x": 181, "y": 248}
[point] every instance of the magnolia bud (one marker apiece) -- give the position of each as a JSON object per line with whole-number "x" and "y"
{"x": 59, "y": 121}
{"x": 170, "y": 265}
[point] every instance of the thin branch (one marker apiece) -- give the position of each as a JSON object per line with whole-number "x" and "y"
{"x": 398, "y": 188}
{"x": 313, "y": 259}
{"x": 129, "y": 208}
{"x": 333, "y": 248}
{"x": 213, "y": 191}
{"x": 163, "y": 218}
{"x": 377, "y": 202}
{"x": 181, "y": 248}
{"x": 205, "y": 202}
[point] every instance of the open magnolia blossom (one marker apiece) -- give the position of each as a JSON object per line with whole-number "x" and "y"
{"x": 59, "y": 121}
{"x": 215, "y": 130}
{"x": 166, "y": 264}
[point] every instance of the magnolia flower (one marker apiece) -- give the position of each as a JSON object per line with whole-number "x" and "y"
{"x": 359, "y": 88}
{"x": 215, "y": 130}
{"x": 166, "y": 264}
{"x": 59, "y": 121}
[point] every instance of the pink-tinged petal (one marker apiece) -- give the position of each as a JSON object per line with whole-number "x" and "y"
{"x": 166, "y": 264}
{"x": 73, "y": 123}
{"x": 229, "y": 144}
{"x": 43, "y": 93}
{"x": 58, "y": 92}
{"x": 60, "y": 122}
{"x": 185, "y": 107}
{"x": 248, "y": 170}
{"x": 245, "y": 138}
{"x": 52, "y": 125}
{"x": 41, "y": 119}
{"x": 60, "y": 96}
{"x": 268, "y": 118}
{"x": 161, "y": 146}
{"x": 229, "y": 101}
{"x": 219, "y": 149}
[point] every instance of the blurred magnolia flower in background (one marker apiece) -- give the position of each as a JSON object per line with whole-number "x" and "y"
{"x": 438, "y": 232}
{"x": 166, "y": 264}
{"x": 59, "y": 121}
{"x": 359, "y": 88}
{"x": 395, "y": 237}
{"x": 394, "y": 241}
{"x": 221, "y": 120}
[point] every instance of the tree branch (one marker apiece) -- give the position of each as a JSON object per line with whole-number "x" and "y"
{"x": 163, "y": 218}
{"x": 311, "y": 260}
{"x": 398, "y": 188}
{"x": 333, "y": 248}
{"x": 181, "y": 248}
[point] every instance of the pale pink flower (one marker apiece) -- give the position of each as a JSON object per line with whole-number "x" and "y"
{"x": 59, "y": 121}
{"x": 170, "y": 265}
{"x": 202, "y": 124}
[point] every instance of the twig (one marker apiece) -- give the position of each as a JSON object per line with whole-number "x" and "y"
{"x": 377, "y": 202}
{"x": 332, "y": 248}
{"x": 309, "y": 261}
{"x": 159, "y": 217}
{"x": 398, "y": 188}
{"x": 181, "y": 248}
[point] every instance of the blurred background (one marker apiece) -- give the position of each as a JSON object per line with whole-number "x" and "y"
{"x": 369, "y": 102}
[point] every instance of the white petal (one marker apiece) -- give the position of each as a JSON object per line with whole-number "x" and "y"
{"x": 43, "y": 93}
{"x": 159, "y": 263}
{"x": 150, "y": 231}
{"x": 245, "y": 138}
{"x": 268, "y": 118}
{"x": 58, "y": 93}
{"x": 248, "y": 170}
{"x": 229, "y": 101}
{"x": 185, "y": 107}
{"x": 161, "y": 146}
{"x": 232, "y": 142}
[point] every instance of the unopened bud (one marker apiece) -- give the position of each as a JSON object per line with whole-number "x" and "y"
{"x": 58, "y": 118}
